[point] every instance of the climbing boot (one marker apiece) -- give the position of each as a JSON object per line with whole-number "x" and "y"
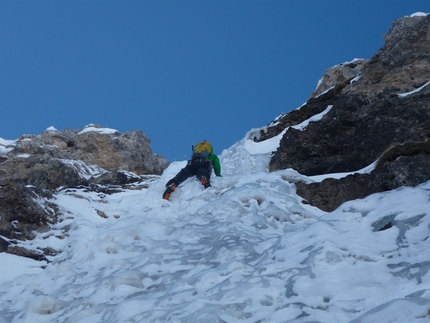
{"x": 169, "y": 190}
{"x": 205, "y": 182}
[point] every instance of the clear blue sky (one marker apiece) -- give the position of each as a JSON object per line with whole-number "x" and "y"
{"x": 180, "y": 71}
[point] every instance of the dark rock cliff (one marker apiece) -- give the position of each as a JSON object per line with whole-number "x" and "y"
{"x": 378, "y": 106}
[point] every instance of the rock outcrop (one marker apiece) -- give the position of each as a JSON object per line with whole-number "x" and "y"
{"x": 36, "y": 165}
{"x": 95, "y": 145}
{"x": 376, "y": 106}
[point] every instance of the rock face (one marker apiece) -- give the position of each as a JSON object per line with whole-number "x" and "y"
{"x": 378, "y": 106}
{"x": 34, "y": 166}
{"x": 95, "y": 145}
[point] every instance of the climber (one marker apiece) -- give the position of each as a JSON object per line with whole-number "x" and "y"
{"x": 200, "y": 165}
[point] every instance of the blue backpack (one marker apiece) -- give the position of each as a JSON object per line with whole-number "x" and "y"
{"x": 201, "y": 150}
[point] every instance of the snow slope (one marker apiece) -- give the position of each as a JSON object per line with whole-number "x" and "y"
{"x": 245, "y": 250}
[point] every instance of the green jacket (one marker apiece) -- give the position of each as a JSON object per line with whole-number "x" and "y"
{"x": 215, "y": 163}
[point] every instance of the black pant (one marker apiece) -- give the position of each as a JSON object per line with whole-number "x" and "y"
{"x": 195, "y": 167}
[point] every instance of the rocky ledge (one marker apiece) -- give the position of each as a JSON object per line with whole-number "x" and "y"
{"x": 35, "y": 166}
